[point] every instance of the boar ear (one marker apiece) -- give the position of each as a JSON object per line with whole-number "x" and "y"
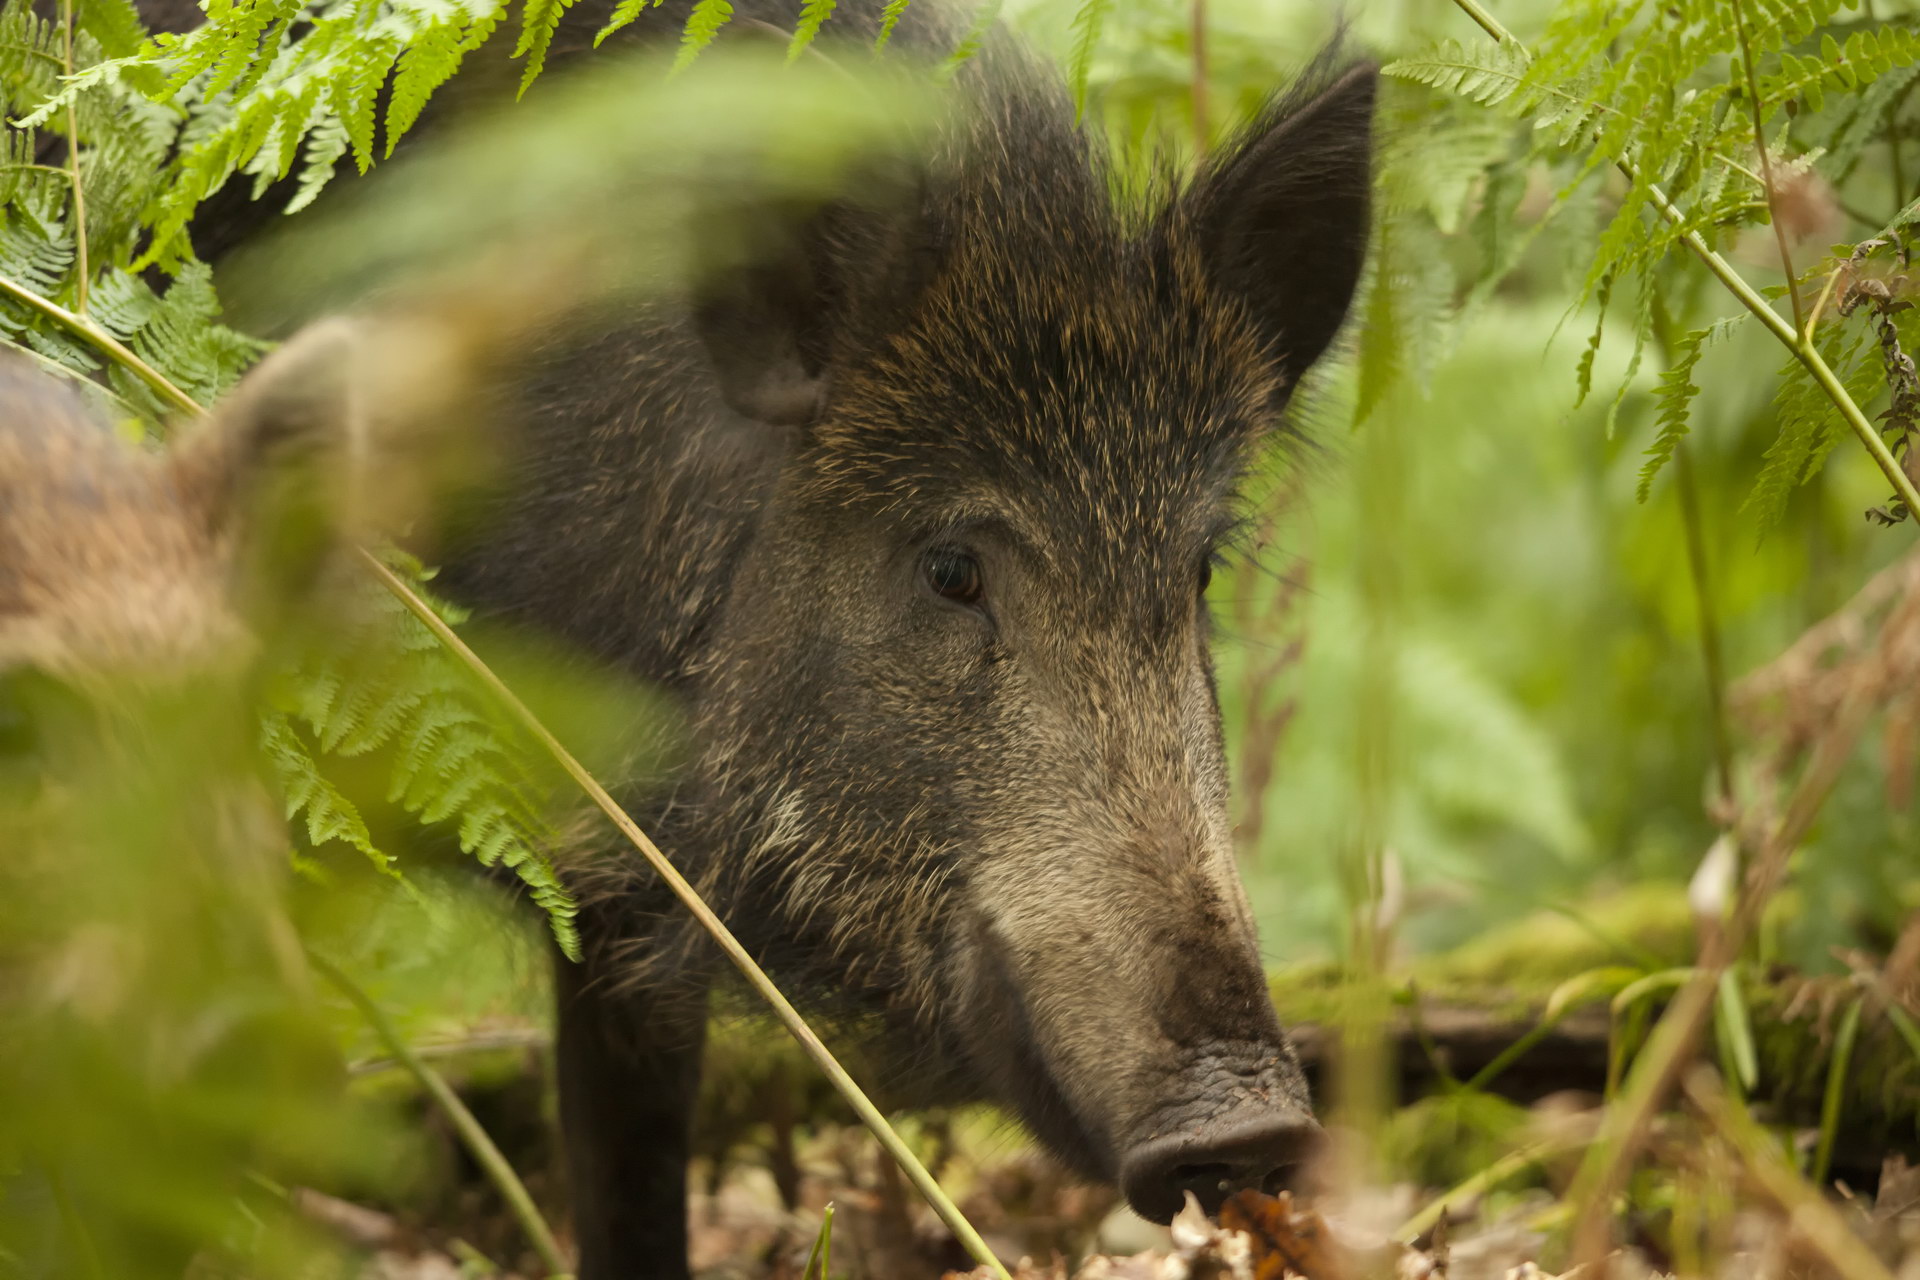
{"x": 758, "y": 308}
{"x": 1281, "y": 215}
{"x": 783, "y": 289}
{"x": 264, "y": 470}
{"x": 353, "y": 429}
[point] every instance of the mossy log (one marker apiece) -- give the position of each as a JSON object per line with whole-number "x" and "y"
{"x": 1457, "y": 1013}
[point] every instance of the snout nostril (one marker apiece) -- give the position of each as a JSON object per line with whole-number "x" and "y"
{"x": 1267, "y": 1149}
{"x": 1204, "y": 1180}
{"x": 1286, "y": 1177}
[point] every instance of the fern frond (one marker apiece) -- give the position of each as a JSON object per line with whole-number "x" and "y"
{"x": 1673, "y": 399}
{"x": 985, "y": 14}
{"x": 1087, "y": 25}
{"x": 1488, "y": 74}
{"x": 623, "y": 15}
{"x": 889, "y": 19}
{"x": 308, "y": 794}
{"x": 387, "y": 688}
{"x": 703, "y": 24}
{"x": 813, "y": 13}
{"x": 1809, "y": 426}
{"x": 538, "y": 22}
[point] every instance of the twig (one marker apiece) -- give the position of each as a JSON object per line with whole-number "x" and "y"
{"x": 108, "y": 345}
{"x": 82, "y": 276}
{"x": 1766, "y": 165}
{"x": 488, "y": 1043}
{"x": 1816, "y": 1220}
{"x": 1800, "y": 345}
{"x": 690, "y": 898}
{"x": 471, "y": 1132}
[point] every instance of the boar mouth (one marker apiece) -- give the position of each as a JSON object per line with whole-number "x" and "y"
{"x": 1004, "y": 1050}
{"x": 1263, "y": 1147}
{"x": 1233, "y": 1116}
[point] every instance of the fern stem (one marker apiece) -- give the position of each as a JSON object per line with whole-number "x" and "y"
{"x": 1488, "y": 23}
{"x": 82, "y": 277}
{"x": 1816, "y": 364}
{"x": 471, "y": 1132}
{"x": 1202, "y": 133}
{"x": 1766, "y": 165}
{"x": 108, "y": 345}
{"x": 789, "y": 1016}
{"x": 1709, "y": 621}
{"x": 1801, "y": 345}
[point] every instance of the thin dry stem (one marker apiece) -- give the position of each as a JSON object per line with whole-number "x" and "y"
{"x": 1658, "y": 1068}
{"x": 82, "y": 276}
{"x": 109, "y": 346}
{"x": 1766, "y": 166}
{"x": 1816, "y": 1221}
{"x": 496, "y": 1166}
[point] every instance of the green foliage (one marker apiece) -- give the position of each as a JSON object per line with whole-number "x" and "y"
{"x": 1087, "y": 25}
{"x": 1661, "y": 92}
{"x": 1674, "y": 397}
{"x": 451, "y": 757}
{"x": 812, "y": 14}
{"x": 1809, "y": 426}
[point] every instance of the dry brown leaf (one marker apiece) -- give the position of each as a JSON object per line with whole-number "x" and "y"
{"x": 1286, "y": 1240}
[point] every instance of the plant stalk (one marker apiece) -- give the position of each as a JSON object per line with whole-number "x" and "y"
{"x": 1709, "y": 621}
{"x": 1202, "y": 131}
{"x": 1766, "y": 166}
{"x": 1814, "y": 1220}
{"x": 108, "y": 345}
{"x": 497, "y": 1169}
{"x": 82, "y": 276}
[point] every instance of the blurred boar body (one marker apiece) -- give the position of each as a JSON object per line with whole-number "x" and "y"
{"x": 160, "y": 1034}
{"x": 912, "y": 500}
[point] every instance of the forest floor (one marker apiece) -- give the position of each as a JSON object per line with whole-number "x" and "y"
{"x": 1698, "y": 1212}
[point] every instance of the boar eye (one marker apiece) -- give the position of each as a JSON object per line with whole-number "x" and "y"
{"x": 1211, "y": 561}
{"x": 954, "y": 575}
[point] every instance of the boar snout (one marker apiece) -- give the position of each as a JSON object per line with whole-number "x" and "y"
{"x": 1229, "y": 1134}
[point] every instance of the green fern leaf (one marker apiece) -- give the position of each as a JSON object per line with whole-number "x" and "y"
{"x": 985, "y": 14}
{"x": 623, "y": 15}
{"x": 1484, "y": 73}
{"x": 703, "y": 24}
{"x": 538, "y": 22}
{"x": 1674, "y": 398}
{"x": 813, "y": 13}
{"x": 889, "y": 19}
{"x": 1809, "y": 425}
{"x": 1087, "y": 25}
